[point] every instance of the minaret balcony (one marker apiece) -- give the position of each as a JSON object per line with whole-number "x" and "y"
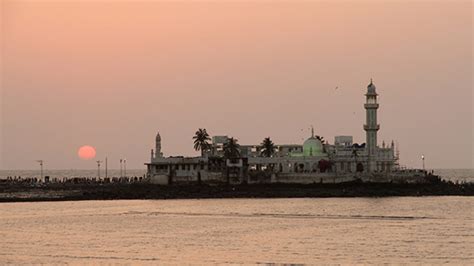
{"x": 367, "y": 127}
{"x": 371, "y": 106}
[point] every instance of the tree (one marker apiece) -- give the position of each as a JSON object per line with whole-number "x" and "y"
{"x": 231, "y": 152}
{"x": 355, "y": 154}
{"x": 320, "y": 139}
{"x": 231, "y": 149}
{"x": 268, "y": 148}
{"x": 359, "y": 166}
{"x": 201, "y": 141}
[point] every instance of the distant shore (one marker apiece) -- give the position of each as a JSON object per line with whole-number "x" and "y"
{"x": 71, "y": 192}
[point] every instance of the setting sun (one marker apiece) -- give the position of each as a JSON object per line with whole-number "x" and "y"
{"x": 86, "y": 152}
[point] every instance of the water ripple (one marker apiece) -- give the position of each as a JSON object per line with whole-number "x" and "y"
{"x": 286, "y": 216}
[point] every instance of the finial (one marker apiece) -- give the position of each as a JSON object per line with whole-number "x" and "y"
{"x": 371, "y": 82}
{"x": 312, "y": 131}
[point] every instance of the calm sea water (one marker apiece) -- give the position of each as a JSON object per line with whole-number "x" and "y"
{"x": 448, "y": 174}
{"x": 422, "y": 230}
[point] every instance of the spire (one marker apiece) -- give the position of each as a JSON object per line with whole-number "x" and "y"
{"x": 371, "y": 83}
{"x": 312, "y": 131}
{"x": 371, "y": 87}
{"x": 158, "y": 152}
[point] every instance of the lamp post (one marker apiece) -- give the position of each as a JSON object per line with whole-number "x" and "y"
{"x": 41, "y": 167}
{"x": 125, "y": 167}
{"x": 106, "y": 167}
{"x": 121, "y": 161}
{"x": 98, "y": 168}
{"x": 423, "y": 160}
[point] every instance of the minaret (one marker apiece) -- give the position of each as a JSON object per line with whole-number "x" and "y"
{"x": 158, "y": 152}
{"x": 371, "y": 127}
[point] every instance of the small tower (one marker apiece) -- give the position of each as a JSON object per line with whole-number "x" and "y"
{"x": 158, "y": 152}
{"x": 371, "y": 127}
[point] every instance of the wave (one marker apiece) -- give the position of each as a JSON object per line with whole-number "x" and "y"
{"x": 285, "y": 216}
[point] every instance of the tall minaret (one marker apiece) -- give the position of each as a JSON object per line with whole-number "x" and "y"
{"x": 158, "y": 152}
{"x": 371, "y": 127}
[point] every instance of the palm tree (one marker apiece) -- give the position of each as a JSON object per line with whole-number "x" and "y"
{"x": 320, "y": 138}
{"x": 231, "y": 152}
{"x": 268, "y": 148}
{"x": 231, "y": 149}
{"x": 201, "y": 141}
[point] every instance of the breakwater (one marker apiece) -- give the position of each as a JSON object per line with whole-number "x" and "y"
{"x": 15, "y": 192}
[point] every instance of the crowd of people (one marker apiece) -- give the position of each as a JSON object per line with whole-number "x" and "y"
{"x": 71, "y": 180}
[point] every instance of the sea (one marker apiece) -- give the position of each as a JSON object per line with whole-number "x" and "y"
{"x": 395, "y": 230}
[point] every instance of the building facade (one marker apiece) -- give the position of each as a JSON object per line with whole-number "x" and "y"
{"x": 314, "y": 160}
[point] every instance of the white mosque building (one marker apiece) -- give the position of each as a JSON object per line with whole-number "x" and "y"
{"x": 311, "y": 162}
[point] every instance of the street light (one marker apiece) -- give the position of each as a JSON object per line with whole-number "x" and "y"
{"x": 121, "y": 161}
{"x": 125, "y": 167}
{"x": 41, "y": 166}
{"x": 98, "y": 168}
{"x": 423, "y": 159}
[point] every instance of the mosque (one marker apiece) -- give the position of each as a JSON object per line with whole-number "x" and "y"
{"x": 313, "y": 161}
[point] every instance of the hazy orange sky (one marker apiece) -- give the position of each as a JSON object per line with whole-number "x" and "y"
{"x": 112, "y": 73}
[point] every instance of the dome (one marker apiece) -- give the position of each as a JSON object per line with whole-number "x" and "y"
{"x": 371, "y": 88}
{"x": 312, "y": 147}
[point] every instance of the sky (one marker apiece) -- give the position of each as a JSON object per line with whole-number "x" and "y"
{"x": 110, "y": 74}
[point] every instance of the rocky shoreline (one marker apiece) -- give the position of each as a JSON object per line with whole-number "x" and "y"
{"x": 129, "y": 191}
